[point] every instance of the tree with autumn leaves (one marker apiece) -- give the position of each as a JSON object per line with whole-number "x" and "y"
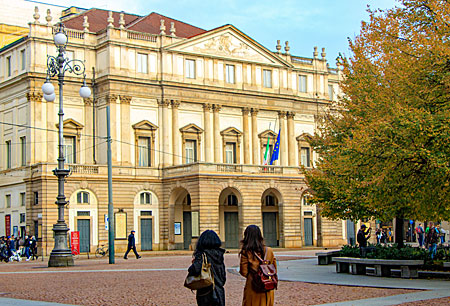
{"x": 385, "y": 146}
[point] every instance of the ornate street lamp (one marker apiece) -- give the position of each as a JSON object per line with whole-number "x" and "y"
{"x": 61, "y": 255}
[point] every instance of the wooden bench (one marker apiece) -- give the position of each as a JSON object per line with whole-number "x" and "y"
{"x": 408, "y": 268}
{"x": 325, "y": 258}
{"x": 446, "y": 264}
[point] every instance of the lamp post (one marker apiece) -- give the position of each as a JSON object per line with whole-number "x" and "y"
{"x": 61, "y": 255}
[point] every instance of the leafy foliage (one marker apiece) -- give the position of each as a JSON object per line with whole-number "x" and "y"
{"x": 384, "y": 149}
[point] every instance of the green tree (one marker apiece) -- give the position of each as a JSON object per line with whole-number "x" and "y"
{"x": 385, "y": 146}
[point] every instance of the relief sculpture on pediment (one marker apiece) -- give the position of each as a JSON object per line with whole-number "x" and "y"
{"x": 230, "y": 46}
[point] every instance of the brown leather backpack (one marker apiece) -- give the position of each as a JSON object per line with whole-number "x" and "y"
{"x": 265, "y": 279}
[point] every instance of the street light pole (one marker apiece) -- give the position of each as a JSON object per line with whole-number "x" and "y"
{"x": 61, "y": 255}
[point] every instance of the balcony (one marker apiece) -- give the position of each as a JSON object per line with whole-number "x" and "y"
{"x": 200, "y": 168}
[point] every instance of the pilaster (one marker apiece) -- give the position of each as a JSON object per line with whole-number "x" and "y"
{"x": 125, "y": 130}
{"x": 217, "y": 138}
{"x": 255, "y": 145}
{"x": 291, "y": 140}
{"x": 208, "y": 140}
{"x": 283, "y": 143}
{"x": 165, "y": 156}
{"x": 246, "y": 140}
{"x": 176, "y": 139}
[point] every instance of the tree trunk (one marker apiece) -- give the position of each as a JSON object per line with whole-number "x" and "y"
{"x": 398, "y": 230}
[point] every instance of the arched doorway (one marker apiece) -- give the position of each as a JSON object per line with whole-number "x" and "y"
{"x": 230, "y": 201}
{"x": 309, "y": 220}
{"x": 146, "y": 219}
{"x": 182, "y": 219}
{"x": 83, "y": 217}
{"x": 270, "y": 217}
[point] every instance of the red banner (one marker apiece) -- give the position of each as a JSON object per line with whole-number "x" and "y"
{"x": 75, "y": 242}
{"x": 7, "y": 225}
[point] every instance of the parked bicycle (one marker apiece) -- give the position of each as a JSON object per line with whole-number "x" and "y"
{"x": 75, "y": 254}
{"x": 101, "y": 251}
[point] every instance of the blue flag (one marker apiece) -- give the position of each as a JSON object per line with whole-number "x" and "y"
{"x": 276, "y": 149}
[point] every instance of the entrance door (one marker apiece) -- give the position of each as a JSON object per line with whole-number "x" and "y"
{"x": 270, "y": 228}
{"x": 84, "y": 227}
{"x": 351, "y": 237}
{"x": 307, "y": 222}
{"x": 187, "y": 229}
{"x": 231, "y": 230}
{"x": 146, "y": 234}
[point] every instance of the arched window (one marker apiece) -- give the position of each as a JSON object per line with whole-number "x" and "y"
{"x": 270, "y": 200}
{"x": 146, "y": 198}
{"x": 305, "y": 200}
{"x": 83, "y": 197}
{"x": 231, "y": 200}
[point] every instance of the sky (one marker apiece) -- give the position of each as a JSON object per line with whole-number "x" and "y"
{"x": 304, "y": 23}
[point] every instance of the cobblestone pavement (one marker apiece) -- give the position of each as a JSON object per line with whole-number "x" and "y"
{"x": 155, "y": 281}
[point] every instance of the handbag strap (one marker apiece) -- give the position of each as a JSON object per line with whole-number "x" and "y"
{"x": 205, "y": 261}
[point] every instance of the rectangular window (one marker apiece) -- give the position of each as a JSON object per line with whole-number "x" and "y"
{"x": 146, "y": 213}
{"x": 8, "y": 201}
{"x": 8, "y": 66}
{"x": 331, "y": 92}
{"x": 190, "y": 69}
{"x": 144, "y": 152}
{"x": 70, "y": 149}
{"x": 267, "y": 78}
{"x": 8, "y": 154}
{"x": 22, "y": 199}
{"x": 230, "y": 153}
{"x": 142, "y": 63}
{"x": 36, "y": 198}
{"x": 83, "y": 213}
{"x": 22, "y": 218}
{"x": 229, "y": 74}
{"x": 302, "y": 83}
{"x": 22, "y": 59}
{"x": 191, "y": 151}
{"x": 23, "y": 151}
{"x": 305, "y": 157}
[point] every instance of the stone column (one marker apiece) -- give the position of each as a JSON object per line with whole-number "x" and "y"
{"x": 291, "y": 140}
{"x": 283, "y": 147}
{"x": 164, "y": 156}
{"x": 111, "y": 101}
{"x": 125, "y": 130}
{"x": 88, "y": 141}
{"x": 246, "y": 146}
{"x": 176, "y": 139}
{"x": 217, "y": 139}
{"x": 255, "y": 140}
{"x": 208, "y": 138}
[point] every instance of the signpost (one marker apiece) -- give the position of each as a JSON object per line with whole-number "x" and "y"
{"x": 75, "y": 242}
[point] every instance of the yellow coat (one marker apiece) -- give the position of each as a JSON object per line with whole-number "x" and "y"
{"x": 250, "y": 263}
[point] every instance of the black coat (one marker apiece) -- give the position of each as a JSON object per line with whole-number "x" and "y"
{"x": 215, "y": 258}
{"x": 131, "y": 241}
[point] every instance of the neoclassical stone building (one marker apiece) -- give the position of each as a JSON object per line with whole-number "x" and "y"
{"x": 192, "y": 112}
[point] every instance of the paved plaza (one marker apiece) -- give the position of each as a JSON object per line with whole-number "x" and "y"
{"x": 158, "y": 280}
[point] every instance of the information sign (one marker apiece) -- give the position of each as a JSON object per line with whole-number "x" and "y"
{"x": 75, "y": 242}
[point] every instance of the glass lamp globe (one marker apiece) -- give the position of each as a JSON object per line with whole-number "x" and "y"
{"x": 50, "y": 98}
{"x": 48, "y": 88}
{"x": 60, "y": 39}
{"x": 85, "y": 92}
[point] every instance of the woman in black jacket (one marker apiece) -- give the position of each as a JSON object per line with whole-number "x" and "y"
{"x": 209, "y": 243}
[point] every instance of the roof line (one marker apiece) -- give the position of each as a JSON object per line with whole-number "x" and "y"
{"x": 16, "y": 42}
{"x": 178, "y": 20}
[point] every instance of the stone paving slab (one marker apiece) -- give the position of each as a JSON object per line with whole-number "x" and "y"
{"x": 396, "y": 299}
{"x": 19, "y": 302}
{"x": 307, "y": 270}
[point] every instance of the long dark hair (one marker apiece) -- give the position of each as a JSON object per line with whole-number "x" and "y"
{"x": 207, "y": 240}
{"x": 253, "y": 240}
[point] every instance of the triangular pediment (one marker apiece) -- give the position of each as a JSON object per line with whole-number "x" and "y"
{"x": 145, "y": 125}
{"x": 191, "y": 128}
{"x": 229, "y": 43}
{"x": 304, "y": 137}
{"x": 231, "y": 131}
{"x": 268, "y": 133}
{"x": 71, "y": 124}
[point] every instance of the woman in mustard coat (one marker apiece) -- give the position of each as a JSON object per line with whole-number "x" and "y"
{"x": 252, "y": 243}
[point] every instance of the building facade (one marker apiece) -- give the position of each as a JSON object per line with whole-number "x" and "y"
{"x": 192, "y": 113}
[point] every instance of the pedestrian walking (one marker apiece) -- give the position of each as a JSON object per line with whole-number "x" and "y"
{"x": 420, "y": 232}
{"x": 432, "y": 239}
{"x": 443, "y": 232}
{"x": 362, "y": 236}
{"x": 253, "y": 246}
{"x": 33, "y": 248}
{"x": 379, "y": 235}
{"x": 131, "y": 246}
{"x": 209, "y": 244}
